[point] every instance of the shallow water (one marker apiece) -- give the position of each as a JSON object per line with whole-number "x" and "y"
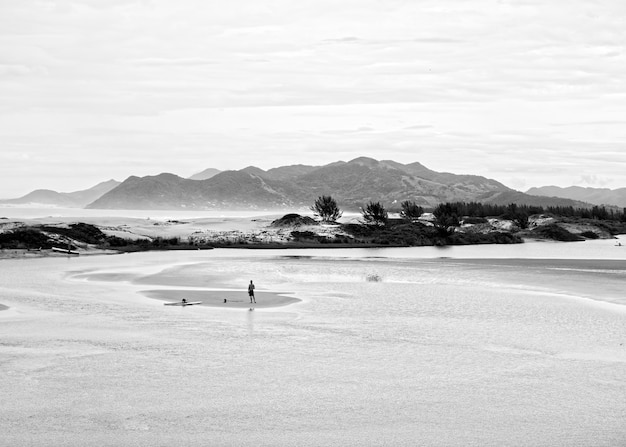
{"x": 384, "y": 349}
{"x": 32, "y": 212}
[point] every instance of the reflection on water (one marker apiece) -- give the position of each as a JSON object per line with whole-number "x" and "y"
{"x": 453, "y": 351}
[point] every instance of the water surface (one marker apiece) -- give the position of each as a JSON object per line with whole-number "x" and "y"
{"x": 387, "y": 347}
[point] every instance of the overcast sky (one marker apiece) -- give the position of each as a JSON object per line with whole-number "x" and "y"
{"x": 527, "y": 92}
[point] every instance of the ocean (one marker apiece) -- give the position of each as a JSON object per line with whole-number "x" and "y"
{"x": 483, "y": 346}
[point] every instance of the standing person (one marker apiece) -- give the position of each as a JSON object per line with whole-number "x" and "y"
{"x": 251, "y": 292}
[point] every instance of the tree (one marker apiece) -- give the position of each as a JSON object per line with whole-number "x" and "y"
{"x": 375, "y": 214}
{"x": 325, "y": 207}
{"x": 447, "y": 217}
{"x": 517, "y": 214}
{"x": 410, "y": 210}
{"x": 599, "y": 212}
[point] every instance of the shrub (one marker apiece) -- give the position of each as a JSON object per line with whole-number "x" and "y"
{"x": 79, "y": 231}
{"x": 474, "y": 220}
{"x": 309, "y": 236}
{"x": 116, "y": 241}
{"x": 553, "y": 231}
{"x": 518, "y": 215}
{"x": 325, "y": 207}
{"x": 447, "y": 217}
{"x": 24, "y": 238}
{"x": 410, "y": 210}
{"x": 375, "y": 213}
{"x": 589, "y": 235}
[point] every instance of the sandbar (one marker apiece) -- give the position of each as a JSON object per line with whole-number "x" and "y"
{"x": 215, "y": 298}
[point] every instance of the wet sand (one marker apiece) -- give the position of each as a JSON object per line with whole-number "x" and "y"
{"x": 222, "y": 298}
{"x": 449, "y": 352}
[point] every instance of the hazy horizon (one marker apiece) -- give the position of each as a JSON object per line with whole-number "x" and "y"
{"x": 527, "y": 93}
{"x": 198, "y": 172}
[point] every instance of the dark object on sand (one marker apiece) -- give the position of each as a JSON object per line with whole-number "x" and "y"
{"x": 183, "y": 303}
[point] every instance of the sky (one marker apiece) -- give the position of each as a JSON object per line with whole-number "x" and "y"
{"x": 529, "y": 93}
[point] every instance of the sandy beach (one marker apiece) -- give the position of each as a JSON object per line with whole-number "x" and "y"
{"x": 223, "y": 298}
{"x": 199, "y": 231}
{"x": 263, "y": 231}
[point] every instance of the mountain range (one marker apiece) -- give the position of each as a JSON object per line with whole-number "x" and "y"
{"x": 595, "y": 196}
{"x": 353, "y": 184}
{"x": 77, "y": 199}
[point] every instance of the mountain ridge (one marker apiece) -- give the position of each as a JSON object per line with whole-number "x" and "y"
{"x": 76, "y": 199}
{"x": 595, "y": 196}
{"x": 352, "y": 184}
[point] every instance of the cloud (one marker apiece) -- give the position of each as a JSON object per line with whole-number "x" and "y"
{"x": 190, "y": 61}
{"x": 16, "y": 70}
{"x": 507, "y": 89}
{"x": 419, "y": 127}
{"x": 350, "y": 39}
{"x": 593, "y": 180}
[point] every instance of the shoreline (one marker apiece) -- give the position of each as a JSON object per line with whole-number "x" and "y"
{"x": 22, "y": 254}
{"x": 121, "y": 235}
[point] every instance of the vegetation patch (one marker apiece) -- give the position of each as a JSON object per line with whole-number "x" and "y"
{"x": 310, "y": 236}
{"x": 589, "y": 235}
{"x": 293, "y": 220}
{"x": 24, "y": 238}
{"x": 557, "y": 233}
{"x": 82, "y": 232}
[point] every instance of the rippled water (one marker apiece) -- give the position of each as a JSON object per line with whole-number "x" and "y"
{"x": 385, "y": 348}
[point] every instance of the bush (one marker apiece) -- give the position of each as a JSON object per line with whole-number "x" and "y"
{"x": 24, "y": 238}
{"x": 410, "y": 210}
{"x": 589, "y": 235}
{"x": 475, "y": 220}
{"x": 325, "y": 207}
{"x": 116, "y": 241}
{"x": 375, "y": 213}
{"x": 293, "y": 220}
{"x": 518, "y": 215}
{"x": 557, "y": 233}
{"x": 447, "y": 217}
{"x": 309, "y": 236}
{"x": 80, "y": 231}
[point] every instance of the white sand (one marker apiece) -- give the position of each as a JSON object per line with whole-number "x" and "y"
{"x": 198, "y": 230}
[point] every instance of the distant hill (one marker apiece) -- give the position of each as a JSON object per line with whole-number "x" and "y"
{"x": 595, "y": 196}
{"x": 228, "y": 189}
{"x": 289, "y": 172}
{"x": 352, "y": 184}
{"x": 77, "y": 199}
{"x": 207, "y": 173}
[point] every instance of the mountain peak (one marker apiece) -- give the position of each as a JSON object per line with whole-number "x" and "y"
{"x": 253, "y": 170}
{"x": 206, "y": 174}
{"x": 365, "y": 161}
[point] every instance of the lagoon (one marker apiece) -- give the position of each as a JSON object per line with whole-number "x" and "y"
{"x": 462, "y": 346}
